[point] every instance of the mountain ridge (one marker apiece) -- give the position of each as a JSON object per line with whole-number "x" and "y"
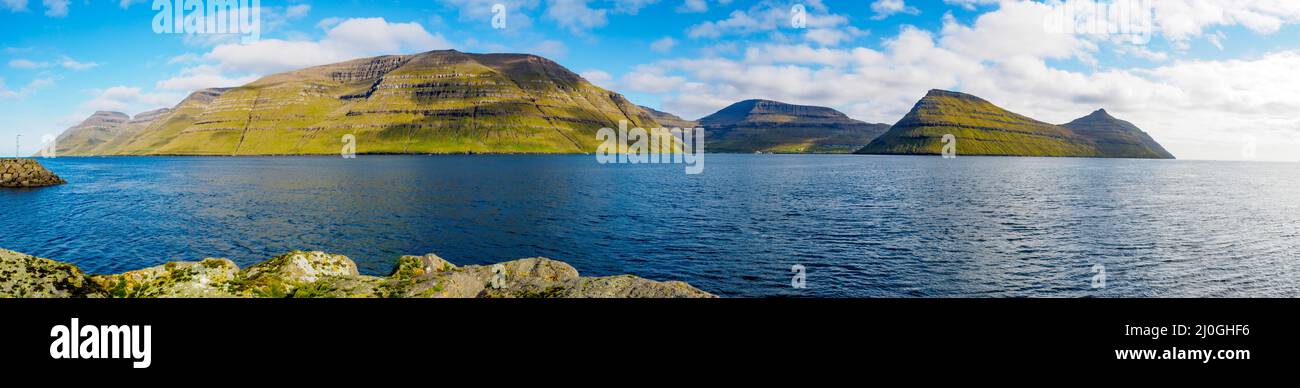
{"x": 982, "y": 128}
{"x": 441, "y": 101}
{"x": 759, "y": 125}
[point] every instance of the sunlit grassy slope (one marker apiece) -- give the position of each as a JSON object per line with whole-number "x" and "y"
{"x": 434, "y": 102}
{"x": 982, "y": 128}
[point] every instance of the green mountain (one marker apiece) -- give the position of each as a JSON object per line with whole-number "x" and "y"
{"x": 1118, "y": 138}
{"x": 434, "y": 102}
{"x": 669, "y": 120}
{"x": 92, "y": 132}
{"x": 770, "y": 126}
{"x": 982, "y": 128}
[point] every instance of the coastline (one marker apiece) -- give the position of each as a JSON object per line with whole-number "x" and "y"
{"x": 300, "y": 274}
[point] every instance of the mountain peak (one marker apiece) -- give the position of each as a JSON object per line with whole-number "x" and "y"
{"x": 940, "y": 93}
{"x": 1101, "y": 113}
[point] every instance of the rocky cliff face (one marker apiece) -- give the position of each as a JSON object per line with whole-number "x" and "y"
{"x": 103, "y": 131}
{"x": 982, "y": 128}
{"x": 434, "y": 102}
{"x": 321, "y": 275}
{"x": 771, "y": 126}
{"x": 22, "y": 172}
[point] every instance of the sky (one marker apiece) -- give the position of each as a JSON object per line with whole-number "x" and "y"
{"x": 1209, "y": 79}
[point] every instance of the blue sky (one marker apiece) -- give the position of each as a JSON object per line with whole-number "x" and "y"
{"x": 1213, "y": 81}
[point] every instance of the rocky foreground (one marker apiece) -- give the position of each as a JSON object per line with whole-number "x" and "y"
{"x": 301, "y": 274}
{"x": 24, "y": 172}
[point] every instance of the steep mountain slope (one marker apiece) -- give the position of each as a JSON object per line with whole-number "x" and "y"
{"x": 771, "y": 126}
{"x": 1118, "y": 138}
{"x": 434, "y": 102}
{"x": 669, "y": 120}
{"x": 982, "y": 128}
{"x": 92, "y": 132}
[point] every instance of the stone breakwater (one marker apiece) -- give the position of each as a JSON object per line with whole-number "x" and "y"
{"x": 301, "y": 274}
{"x": 23, "y": 172}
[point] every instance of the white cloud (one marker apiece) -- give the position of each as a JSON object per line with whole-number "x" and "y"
{"x": 350, "y": 39}
{"x": 887, "y": 8}
{"x": 1197, "y": 109}
{"x": 72, "y": 64}
{"x": 32, "y": 87}
{"x": 125, "y": 4}
{"x": 663, "y": 45}
{"x": 5, "y": 92}
{"x": 598, "y": 78}
{"x": 575, "y": 15}
{"x": 14, "y": 5}
{"x": 1183, "y": 20}
{"x": 971, "y": 4}
{"x": 55, "y": 8}
{"x": 550, "y": 48}
{"x": 26, "y": 64}
{"x": 202, "y": 77}
{"x": 297, "y": 11}
{"x": 128, "y": 99}
{"x": 479, "y": 12}
{"x": 766, "y": 16}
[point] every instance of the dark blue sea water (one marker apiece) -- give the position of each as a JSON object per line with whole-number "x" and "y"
{"x": 863, "y": 226}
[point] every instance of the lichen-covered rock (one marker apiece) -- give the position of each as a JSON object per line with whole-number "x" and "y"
{"x": 27, "y": 276}
{"x": 415, "y": 266}
{"x": 348, "y": 287}
{"x": 210, "y": 278}
{"x": 24, "y": 172}
{"x": 628, "y": 286}
{"x": 280, "y": 276}
{"x": 301, "y": 274}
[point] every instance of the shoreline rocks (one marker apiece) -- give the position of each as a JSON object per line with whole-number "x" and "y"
{"x": 25, "y": 172}
{"x": 300, "y": 274}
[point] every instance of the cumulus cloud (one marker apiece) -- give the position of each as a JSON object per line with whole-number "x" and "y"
{"x": 598, "y": 78}
{"x": 14, "y": 5}
{"x": 349, "y": 39}
{"x": 887, "y": 8}
{"x": 128, "y": 99}
{"x": 663, "y": 45}
{"x": 26, "y": 64}
{"x": 55, "y": 8}
{"x": 550, "y": 48}
{"x": 72, "y": 64}
{"x": 1197, "y": 109}
{"x": 575, "y": 15}
{"x": 202, "y": 77}
{"x": 766, "y": 16}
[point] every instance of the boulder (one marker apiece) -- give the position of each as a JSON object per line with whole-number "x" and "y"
{"x": 27, "y": 276}
{"x": 300, "y": 274}
{"x": 210, "y": 278}
{"x": 24, "y": 172}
